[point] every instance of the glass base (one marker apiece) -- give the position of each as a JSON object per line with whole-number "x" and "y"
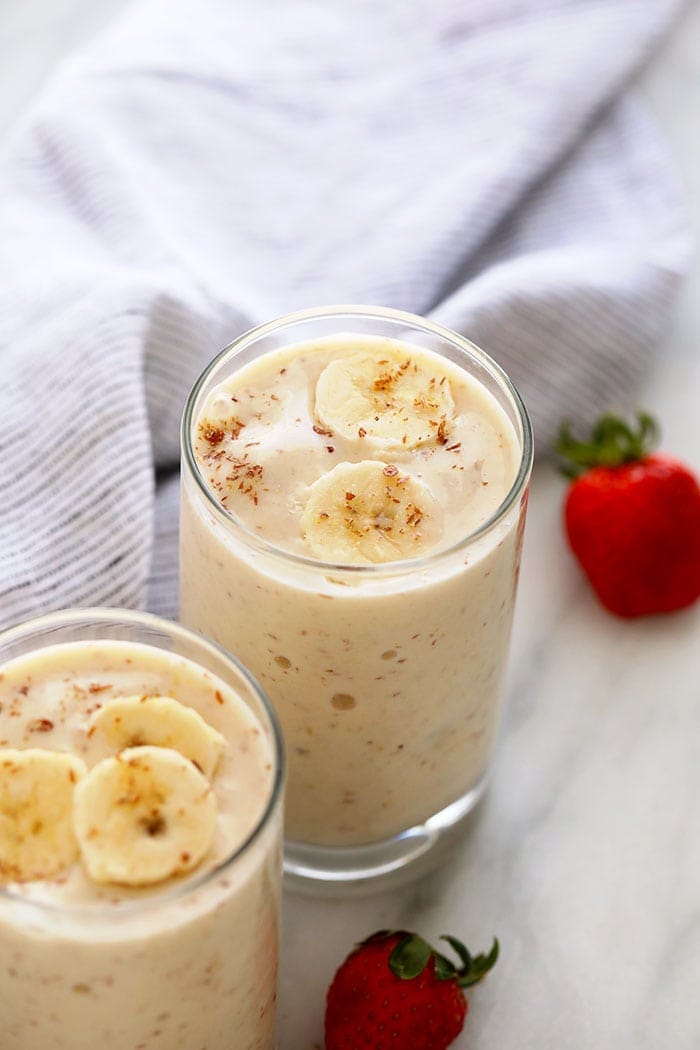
{"x": 341, "y": 871}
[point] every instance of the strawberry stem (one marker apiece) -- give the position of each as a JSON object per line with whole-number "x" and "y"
{"x": 613, "y": 442}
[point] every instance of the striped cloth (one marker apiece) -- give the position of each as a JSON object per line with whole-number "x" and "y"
{"x": 208, "y": 164}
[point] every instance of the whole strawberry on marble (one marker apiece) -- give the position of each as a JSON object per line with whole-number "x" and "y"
{"x": 395, "y": 991}
{"x": 632, "y": 517}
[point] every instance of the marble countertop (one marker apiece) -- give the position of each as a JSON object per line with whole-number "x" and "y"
{"x": 584, "y": 857}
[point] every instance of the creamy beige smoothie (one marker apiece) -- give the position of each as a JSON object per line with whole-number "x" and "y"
{"x": 332, "y": 484}
{"x": 130, "y": 776}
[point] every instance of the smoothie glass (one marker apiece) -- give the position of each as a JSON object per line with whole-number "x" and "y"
{"x": 386, "y": 678}
{"x": 190, "y": 965}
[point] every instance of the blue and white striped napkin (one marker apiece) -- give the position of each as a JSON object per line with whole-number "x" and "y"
{"x": 208, "y": 164}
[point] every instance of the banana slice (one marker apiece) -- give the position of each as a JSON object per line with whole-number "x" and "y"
{"x": 36, "y": 813}
{"x": 161, "y": 721}
{"x": 142, "y": 816}
{"x": 398, "y": 399}
{"x": 368, "y": 512}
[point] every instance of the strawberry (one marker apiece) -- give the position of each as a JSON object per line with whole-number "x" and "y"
{"x": 632, "y": 518}
{"x": 395, "y": 991}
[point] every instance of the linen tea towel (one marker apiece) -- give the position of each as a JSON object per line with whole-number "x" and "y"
{"x": 207, "y": 164}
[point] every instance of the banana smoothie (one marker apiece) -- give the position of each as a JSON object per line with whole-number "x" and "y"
{"x": 130, "y": 776}
{"x": 343, "y": 529}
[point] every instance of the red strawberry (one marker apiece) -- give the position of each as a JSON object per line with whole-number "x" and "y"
{"x": 395, "y": 992}
{"x": 632, "y": 518}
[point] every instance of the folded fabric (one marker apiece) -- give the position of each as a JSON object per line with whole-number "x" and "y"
{"x": 208, "y": 164}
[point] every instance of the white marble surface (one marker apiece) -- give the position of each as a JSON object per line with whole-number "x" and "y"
{"x": 585, "y": 856}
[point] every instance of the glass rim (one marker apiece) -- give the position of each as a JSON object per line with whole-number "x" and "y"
{"x": 398, "y": 567}
{"x": 156, "y": 899}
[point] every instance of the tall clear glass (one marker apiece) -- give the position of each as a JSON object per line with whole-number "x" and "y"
{"x": 386, "y": 678}
{"x": 191, "y": 965}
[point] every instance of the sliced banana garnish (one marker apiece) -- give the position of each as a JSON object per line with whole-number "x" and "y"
{"x": 368, "y": 512}
{"x": 131, "y": 721}
{"x": 397, "y": 399}
{"x": 36, "y": 813}
{"x": 142, "y": 816}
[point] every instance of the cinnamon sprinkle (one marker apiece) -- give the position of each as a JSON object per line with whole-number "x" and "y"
{"x": 247, "y": 475}
{"x": 40, "y": 725}
{"x": 385, "y": 380}
{"x": 213, "y": 435}
{"x": 414, "y": 515}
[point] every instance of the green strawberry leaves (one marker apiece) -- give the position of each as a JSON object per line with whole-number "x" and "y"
{"x": 474, "y": 970}
{"x": 613, "y": 442}
{"x": 411, "y": 955}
